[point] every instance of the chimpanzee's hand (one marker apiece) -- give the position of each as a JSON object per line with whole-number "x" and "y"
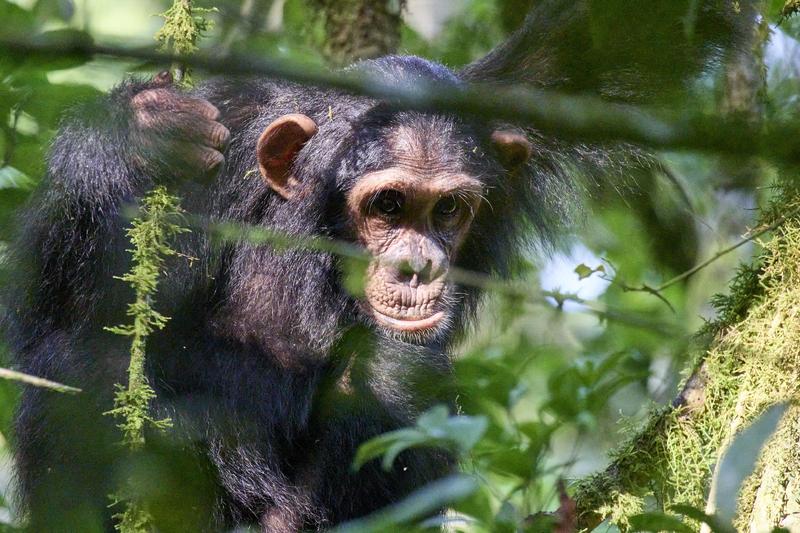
{"x": 175, "y": 133}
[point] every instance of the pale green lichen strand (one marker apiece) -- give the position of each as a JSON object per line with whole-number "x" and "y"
{"x": 149, "y": 235}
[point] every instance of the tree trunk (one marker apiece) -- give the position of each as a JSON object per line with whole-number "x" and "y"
{"x": 359, "y": 29}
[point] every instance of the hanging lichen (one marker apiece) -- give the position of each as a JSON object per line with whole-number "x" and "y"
{"x": 184, "y": 25}
{"x": 790, "y": 8}
{"x": 149, "y": 234}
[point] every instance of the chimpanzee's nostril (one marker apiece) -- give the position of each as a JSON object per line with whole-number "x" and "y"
{"x": 425, "y": 273}
{"x": 415, "y": 270}
{"x": 406, "y": 268}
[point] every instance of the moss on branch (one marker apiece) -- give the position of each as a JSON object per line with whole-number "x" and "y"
{"x": 751, "y": 362}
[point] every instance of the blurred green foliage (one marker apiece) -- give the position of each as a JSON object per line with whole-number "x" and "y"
{"x": 545, "y": 390}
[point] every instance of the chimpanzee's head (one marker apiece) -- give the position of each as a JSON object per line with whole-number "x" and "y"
{"x": 413, "y": 184}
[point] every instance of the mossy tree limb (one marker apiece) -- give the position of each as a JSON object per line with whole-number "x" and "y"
{"x": 751, "y": 363}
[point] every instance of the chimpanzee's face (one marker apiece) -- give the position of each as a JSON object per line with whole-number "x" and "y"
{"x": 412, "y": 216}
{"x": 412, "y": 213}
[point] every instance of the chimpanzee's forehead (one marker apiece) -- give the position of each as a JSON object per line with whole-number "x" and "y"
{"x": 426, "y": 144}
{"x": 433, "y": 141}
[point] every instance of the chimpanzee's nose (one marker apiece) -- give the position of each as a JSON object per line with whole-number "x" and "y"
{"x": 417, "y": 269}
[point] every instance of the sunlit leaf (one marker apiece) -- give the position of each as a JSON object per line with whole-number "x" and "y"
{"x": 420, "y": 504}
{"x": 740, "y": 458}
{"x": 583, "y": 271}
{"x": 11, "y": 178}
{"x": 435, "y": 428}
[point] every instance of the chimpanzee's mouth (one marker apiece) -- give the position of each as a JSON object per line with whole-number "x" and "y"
{"x": 408, "y": 324}
{"x": 404, "y": 307}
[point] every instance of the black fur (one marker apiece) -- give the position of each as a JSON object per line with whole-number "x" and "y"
{"x": 250, "y": 366}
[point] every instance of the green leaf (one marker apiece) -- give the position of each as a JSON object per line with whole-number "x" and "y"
{"x": 419, "y": 505}
{"x": 15, "y": 19}
{"x": 434, "y": 428}
{"x": 11, "y": 178}
{"x": 583, "y": 271}
{"x": 740, "y": 458}
{"x": 714, "y": 523}
{"x": 658, "y": 522}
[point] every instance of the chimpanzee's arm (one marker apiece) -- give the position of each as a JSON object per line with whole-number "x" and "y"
{"x": 71, "y": 245}
{"x": 105, "y": 156}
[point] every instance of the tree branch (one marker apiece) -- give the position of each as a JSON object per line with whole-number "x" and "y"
{"x": 7, "y": 373}
{"x": 588, "y": 119}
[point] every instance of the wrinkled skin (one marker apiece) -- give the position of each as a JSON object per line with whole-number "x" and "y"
{"x": 412, "y": 224}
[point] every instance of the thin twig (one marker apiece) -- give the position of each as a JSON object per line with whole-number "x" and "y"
{"x": 680, "y": 277}
{"x": 10, "y": 130}
{"x": 7, "y": 373}
{"x": 657, "y": 291}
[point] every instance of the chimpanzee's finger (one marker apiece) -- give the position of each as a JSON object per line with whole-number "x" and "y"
{"x": 199, "y": 106}
{"x": 152, "y": 99}
{"x": 212, "y": 134}
{"x": 187, "y": 127}
{"x": 159, "y": 105}
{"x": 162, "y": 79}
{"x": 194, "y": 157}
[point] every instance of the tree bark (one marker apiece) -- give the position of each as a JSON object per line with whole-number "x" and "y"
{"x": 359, "y": 29}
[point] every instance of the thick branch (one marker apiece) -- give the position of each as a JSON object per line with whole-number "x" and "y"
{"x": 359, "y": 29}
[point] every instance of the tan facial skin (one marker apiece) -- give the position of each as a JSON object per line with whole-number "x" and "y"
{"x": 412, "y": 217}
{"x": 412, "y": 222}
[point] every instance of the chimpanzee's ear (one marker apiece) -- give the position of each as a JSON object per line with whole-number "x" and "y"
{"x": 513, "y": 147}
{"x": 277, "y": 148}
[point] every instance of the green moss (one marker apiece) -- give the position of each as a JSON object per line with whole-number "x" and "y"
{"x": 751, "y": 362}
{"x": 184, "y": 25}
{"x": 149, "y": 234}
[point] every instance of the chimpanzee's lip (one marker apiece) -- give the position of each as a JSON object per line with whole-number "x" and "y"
{"x": 408, "y": 324}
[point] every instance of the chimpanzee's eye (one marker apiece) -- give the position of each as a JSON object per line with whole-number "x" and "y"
{"x": 447, "y": 206}
{"x": 389, "y": 203}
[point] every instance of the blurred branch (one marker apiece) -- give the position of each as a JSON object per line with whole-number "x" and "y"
{"x": 584, "y": 118}
{"x": 359, "y": 29}
{"x": 6, "y": 373}
{"x": 234, "y": 231}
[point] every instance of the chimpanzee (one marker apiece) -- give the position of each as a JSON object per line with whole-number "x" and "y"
{"x": 271, "y": 371}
